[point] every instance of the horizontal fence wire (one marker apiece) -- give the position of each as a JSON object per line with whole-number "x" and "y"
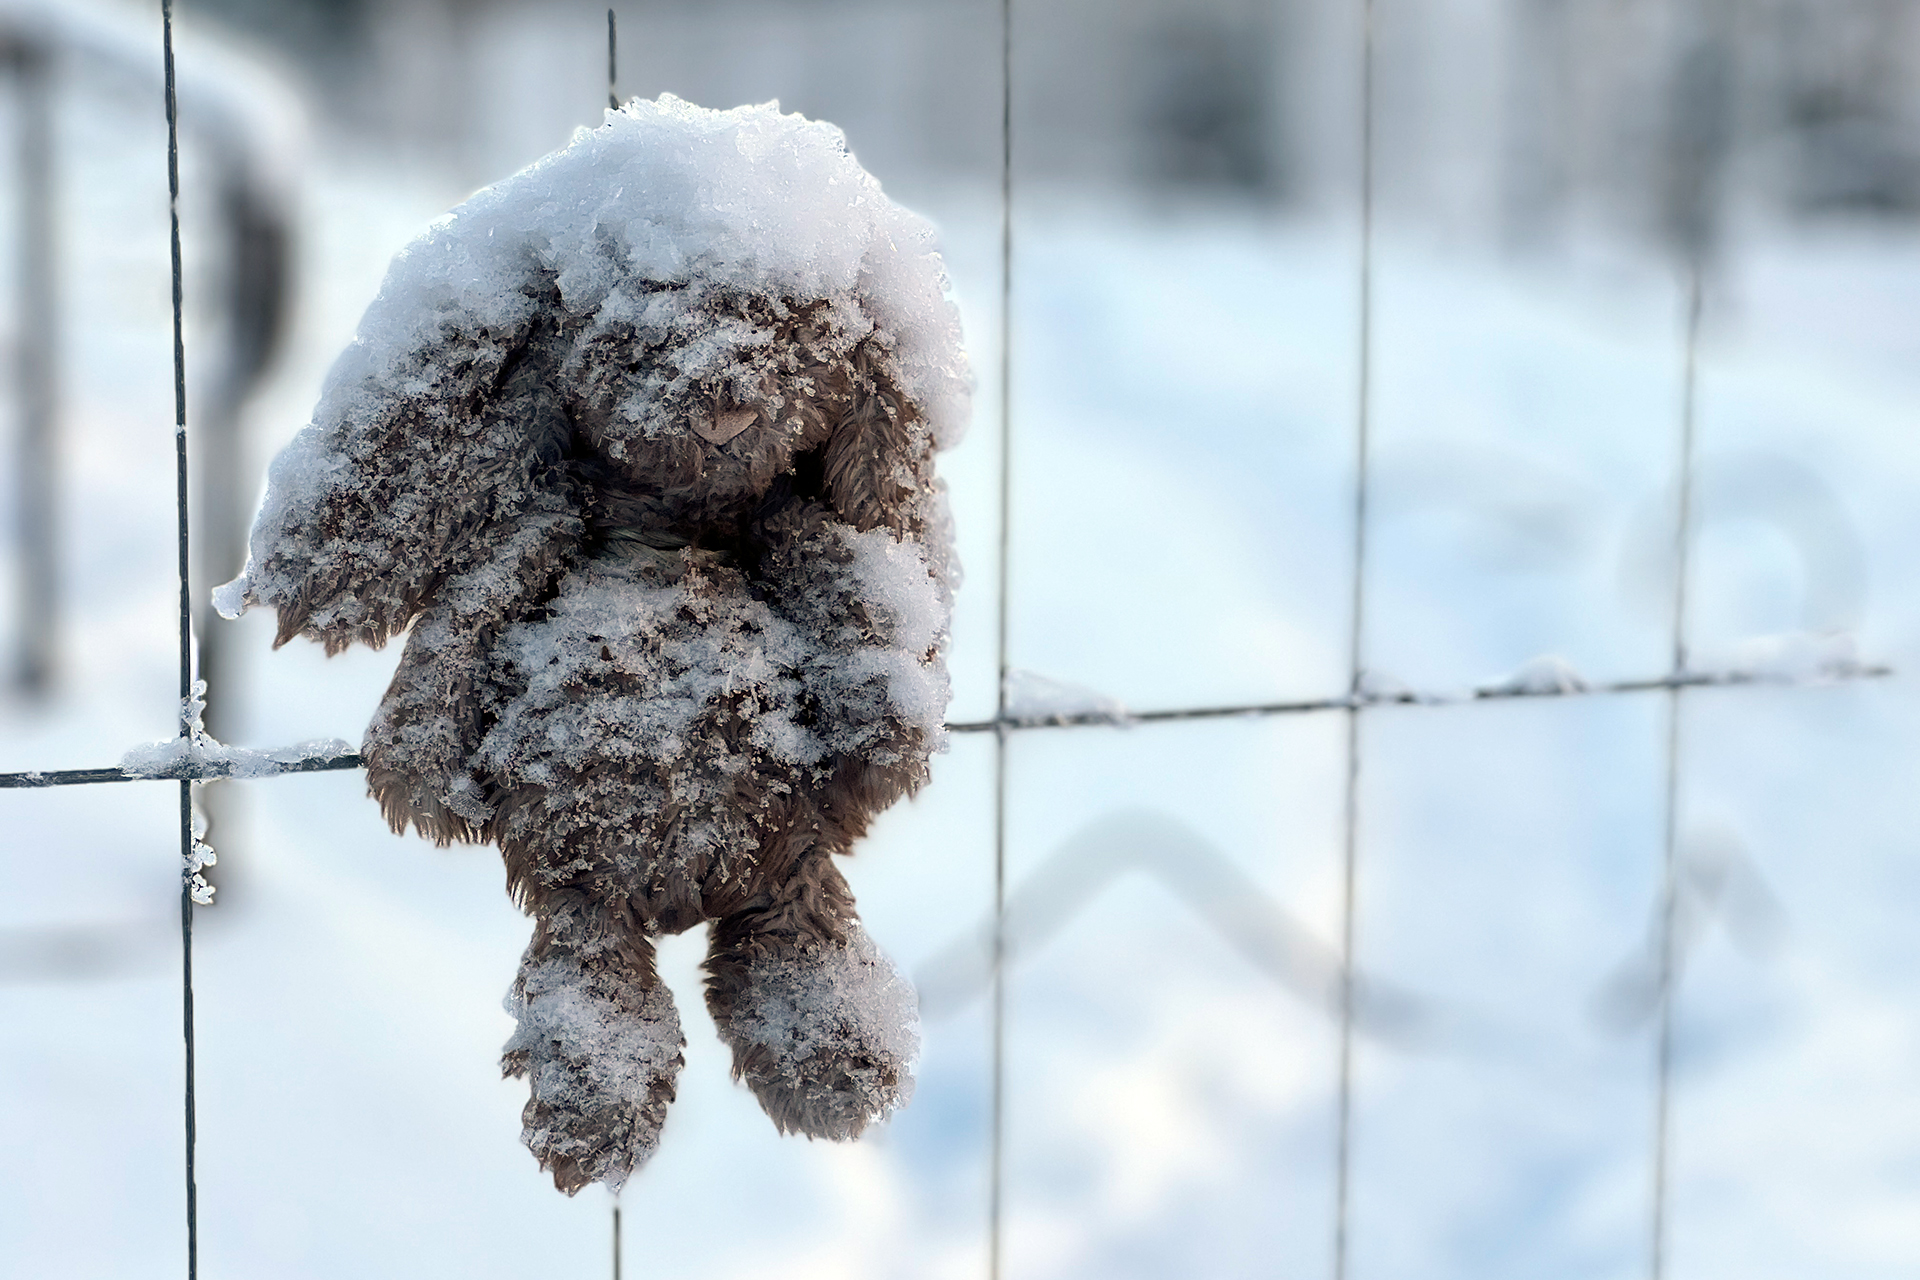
{"x": 1016, "y": 722}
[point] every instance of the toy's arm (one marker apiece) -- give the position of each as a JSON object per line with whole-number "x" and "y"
{"x": 420, "y": 463}
{"x": 860, "y": 569}
{"x": 420, "y": 749}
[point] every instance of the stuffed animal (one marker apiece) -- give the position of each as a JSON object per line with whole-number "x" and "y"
{"x": 640, "y": 443}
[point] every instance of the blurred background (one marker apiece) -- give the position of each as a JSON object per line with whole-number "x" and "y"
{"x": 1551, "y": 174}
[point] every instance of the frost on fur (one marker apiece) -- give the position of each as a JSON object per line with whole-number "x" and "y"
{"x": 636, "y": 448}
{"x": 599, "y": 1041}
{"x": 826, "y": 1035}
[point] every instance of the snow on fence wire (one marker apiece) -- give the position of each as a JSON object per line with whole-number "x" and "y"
{"x": 194, "y": 756}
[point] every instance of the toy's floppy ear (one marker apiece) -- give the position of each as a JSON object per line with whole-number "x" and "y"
{"x": 875, "y": 470}
{"x": 424, "y": 455}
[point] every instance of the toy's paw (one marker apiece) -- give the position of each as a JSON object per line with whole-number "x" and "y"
{"x": 825, "y": 1036}
{"x": 599, "y": 1053}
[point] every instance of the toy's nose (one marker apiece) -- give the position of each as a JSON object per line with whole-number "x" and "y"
{"x": 724, "y": 426}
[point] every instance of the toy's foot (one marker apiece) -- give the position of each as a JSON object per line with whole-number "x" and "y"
{"x": 599, "y": 1044}
{"x": 826, "y": 1035}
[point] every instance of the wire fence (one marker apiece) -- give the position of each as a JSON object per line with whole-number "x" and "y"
{"x": 1348, "y": 1004}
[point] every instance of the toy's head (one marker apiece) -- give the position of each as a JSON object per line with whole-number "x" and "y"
{"x": 689, "y": 303}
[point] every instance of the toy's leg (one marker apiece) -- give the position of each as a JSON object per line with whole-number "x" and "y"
{"x": 823, "y": 1028}
{"x": 599, "y": 1043}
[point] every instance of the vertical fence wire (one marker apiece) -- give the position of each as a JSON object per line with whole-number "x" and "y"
{"x": 186, "y": 628}
{"x": 996, "y": 1158}
{"x": 35, "y": 373}
{"x": 613, "y": 104}
{"x": 1670, "y": 854}
{"x": 1350, "y": 813}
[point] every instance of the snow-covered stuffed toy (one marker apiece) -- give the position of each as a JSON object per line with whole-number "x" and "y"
{"x": 640, "y": 442}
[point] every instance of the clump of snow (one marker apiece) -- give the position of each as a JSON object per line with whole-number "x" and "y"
{"x": 1379, "y": 686}
{"x": 198, "y": 755}
{"x": 1544, "y": 676}
{"x": 901, "y": 593}
{"x": 675, "y": 645}
{"x": 1034, "y": 697}
{"x": 561, "y": 1009}
{"x": 200, "y": 856}
{"x": 230, "y": 598}
{"x": 1799, "y": 655}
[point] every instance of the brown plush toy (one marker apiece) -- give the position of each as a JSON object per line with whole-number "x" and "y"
{"x": 640, "y": 442}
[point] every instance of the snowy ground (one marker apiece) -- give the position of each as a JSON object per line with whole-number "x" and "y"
{"x": 1183, "y": 405}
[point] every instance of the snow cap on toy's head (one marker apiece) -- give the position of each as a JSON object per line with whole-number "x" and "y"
{"x": 658, "y": 264}
{"x": 666, "y": 193}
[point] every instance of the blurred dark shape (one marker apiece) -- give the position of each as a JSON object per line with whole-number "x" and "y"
{"x": 1655, "y": 118}
{"x": 1714, "y": 880}
{"x": 254, "y": 287}
{"x": 1133, "y": 92}
{"x": 1209, "y": 103}
{"x": 251, "y": 249}
{"x": 85, "y": 953}
{"x": 255, "y": 268}
{"x": 1846, "y": 105}
{"x": 1674, "y": 114}
{"x": 1768, "y": 489}
{"x": 330, "y": 36}
{"x": 1187, "y": 867}
{"x": 1850, "y": 160}
{"x": 1537, "y": 182}
{"x": 1700, "y": 132}
{"x": 27, "y": 60}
